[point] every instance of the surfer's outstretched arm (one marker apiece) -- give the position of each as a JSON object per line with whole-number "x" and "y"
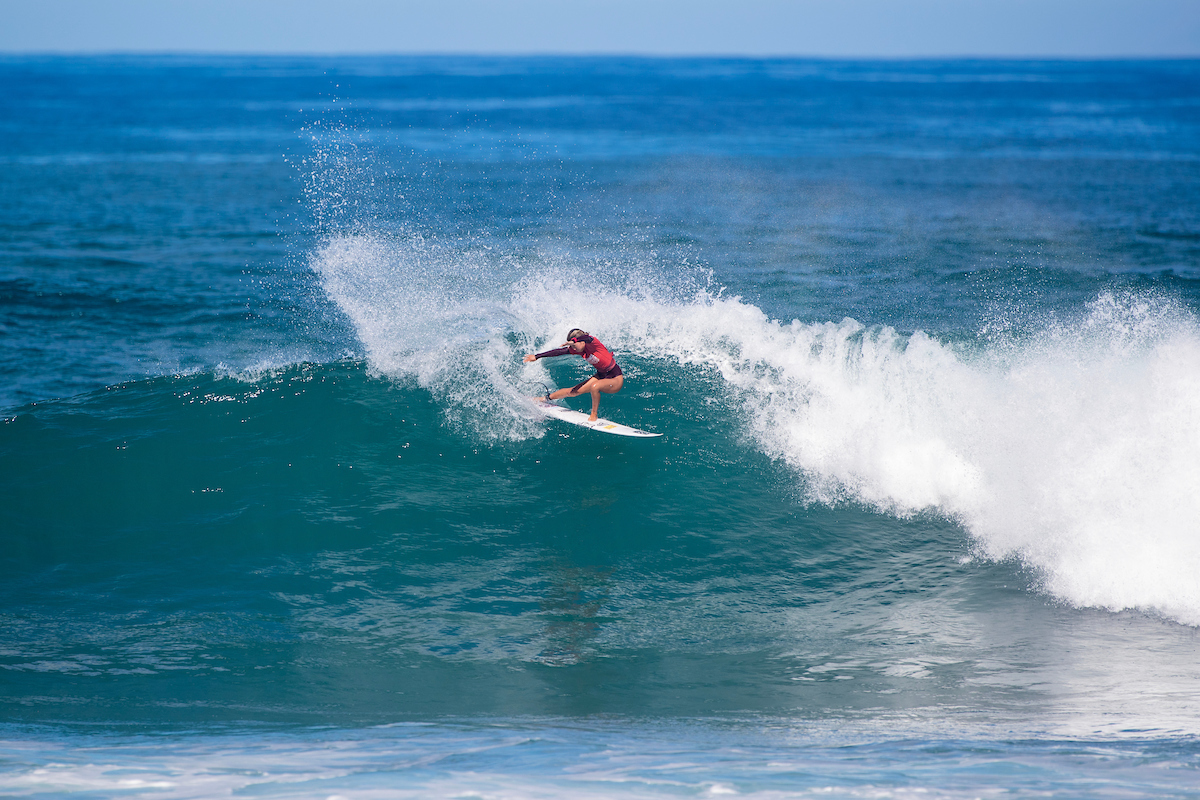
{"x": 558, "y": 351}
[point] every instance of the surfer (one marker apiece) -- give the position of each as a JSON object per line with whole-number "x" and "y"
{"x": 608, "y": 377}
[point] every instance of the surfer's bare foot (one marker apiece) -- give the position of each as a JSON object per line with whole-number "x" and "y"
{"x": 593, "y": 418}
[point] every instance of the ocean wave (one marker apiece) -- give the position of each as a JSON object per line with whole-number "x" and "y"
{"x": 1071, "y": 447}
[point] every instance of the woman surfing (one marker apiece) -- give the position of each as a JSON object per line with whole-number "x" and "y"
{"x": 608, "y": 377}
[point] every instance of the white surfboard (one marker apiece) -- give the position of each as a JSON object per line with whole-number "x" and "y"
{"x": 581, "y": 419}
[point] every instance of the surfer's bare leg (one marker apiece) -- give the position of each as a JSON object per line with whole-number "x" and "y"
{"x": 594, "y": 387}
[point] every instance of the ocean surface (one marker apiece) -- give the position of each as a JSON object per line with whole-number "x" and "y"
{"x": 277, "y": 520}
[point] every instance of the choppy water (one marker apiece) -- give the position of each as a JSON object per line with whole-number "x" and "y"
{"x": 922, "y": 337}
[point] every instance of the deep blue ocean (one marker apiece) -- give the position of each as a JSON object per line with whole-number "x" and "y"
{"x": 277, "y": 519}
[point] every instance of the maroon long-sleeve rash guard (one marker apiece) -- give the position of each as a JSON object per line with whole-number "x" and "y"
{"x": 595, "y": 353}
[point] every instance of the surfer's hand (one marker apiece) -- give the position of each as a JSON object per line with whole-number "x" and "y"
{"x": 530, "y": 358}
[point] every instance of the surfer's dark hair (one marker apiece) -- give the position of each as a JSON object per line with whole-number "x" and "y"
{"x": 578, "y": 335}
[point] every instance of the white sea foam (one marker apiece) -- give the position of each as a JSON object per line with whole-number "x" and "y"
{"x": 539, "y": 759}
{"x": 1075, "y": 449}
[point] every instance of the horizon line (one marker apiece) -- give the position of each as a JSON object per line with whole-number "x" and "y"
{"x": 593, "y": 54}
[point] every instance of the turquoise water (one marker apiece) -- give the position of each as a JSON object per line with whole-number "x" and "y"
{"x": 921, "y": 337}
